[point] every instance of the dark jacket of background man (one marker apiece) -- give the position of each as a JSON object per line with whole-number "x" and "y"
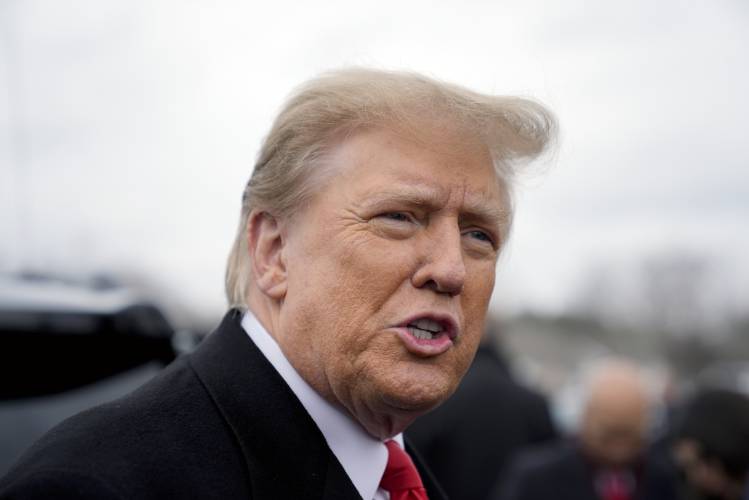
{"x": 467, "y": 441}
{"x": 560, "y": 471}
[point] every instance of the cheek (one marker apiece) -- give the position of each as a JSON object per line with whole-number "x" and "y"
{"x": 339, "y": 293}
{"x": 366, "y": 277}
{"x": 477, "y": 294}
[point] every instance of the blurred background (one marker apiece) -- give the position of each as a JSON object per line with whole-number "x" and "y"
{"x": 128, "y": 130}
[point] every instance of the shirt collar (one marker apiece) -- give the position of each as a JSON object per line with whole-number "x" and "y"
{"x": 362, "y": 456}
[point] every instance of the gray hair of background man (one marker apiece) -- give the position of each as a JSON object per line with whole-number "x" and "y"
{"x": 290, "y": 166}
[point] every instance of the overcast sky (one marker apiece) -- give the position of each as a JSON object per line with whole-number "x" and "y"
{"x": 128, "y": 129}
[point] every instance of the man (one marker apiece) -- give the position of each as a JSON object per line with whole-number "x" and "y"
{"x": 468, "y": 440}
{"x": 359, "y": 281}
{"x": 711, "y": 445}
{"x": 606, "y": 460}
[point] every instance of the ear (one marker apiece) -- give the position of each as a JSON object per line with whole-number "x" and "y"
{"x": 266, "y": 242}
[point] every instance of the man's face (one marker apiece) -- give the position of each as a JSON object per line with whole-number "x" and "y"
{"x": 616, "y": 441}
{"x": 402, "y": 242}
{"x": 614, "y": 422}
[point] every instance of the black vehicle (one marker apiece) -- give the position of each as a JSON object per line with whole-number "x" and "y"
{"x": 67, "y": 346}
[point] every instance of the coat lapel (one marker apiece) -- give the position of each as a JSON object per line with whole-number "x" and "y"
{"x": 285, "y": 453}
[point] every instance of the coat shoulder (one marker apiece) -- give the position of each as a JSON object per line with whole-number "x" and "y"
{"x": 142, "y": 445}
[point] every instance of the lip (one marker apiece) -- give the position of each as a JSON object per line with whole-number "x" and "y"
{"x": 429, "y": 347}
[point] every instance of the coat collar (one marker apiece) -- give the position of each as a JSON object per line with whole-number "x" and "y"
{"x": 285, "y": 452}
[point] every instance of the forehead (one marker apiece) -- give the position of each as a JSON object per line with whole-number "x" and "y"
{"x": 431, "y": 165}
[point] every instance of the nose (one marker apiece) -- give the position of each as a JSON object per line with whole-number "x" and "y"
{"x": 442, "y": 268}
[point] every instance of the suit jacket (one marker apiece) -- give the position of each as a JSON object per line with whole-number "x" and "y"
{"x": 560, "y": 471}
{"x": 218, "y": 423}
{"x": 468, "y": 440}
{"x": 556, "y": 471}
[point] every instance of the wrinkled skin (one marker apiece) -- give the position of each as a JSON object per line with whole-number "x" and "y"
{"x": 405, "y": 226}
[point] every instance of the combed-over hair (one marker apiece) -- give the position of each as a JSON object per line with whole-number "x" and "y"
{"x": 288, "y": 169}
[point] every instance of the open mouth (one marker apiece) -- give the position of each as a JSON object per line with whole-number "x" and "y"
{"x": 425, "y": 329}
{"x": 430, "y": 327}
{"x": 428, "y": 334}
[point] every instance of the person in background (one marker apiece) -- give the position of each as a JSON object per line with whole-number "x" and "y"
{"x": 491, "y": 416}
{"x": 606, "y": 459}
{"x": 711, "y": 445}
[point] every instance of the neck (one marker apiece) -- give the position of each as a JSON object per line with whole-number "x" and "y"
{"x": 265, "y": 311}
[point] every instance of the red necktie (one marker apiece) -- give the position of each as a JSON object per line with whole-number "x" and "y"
{"x": 401, "y": 479}
{"x": 614, "y": 486}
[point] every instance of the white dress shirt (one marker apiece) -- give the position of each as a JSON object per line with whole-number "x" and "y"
{"x": 362, "y": 456}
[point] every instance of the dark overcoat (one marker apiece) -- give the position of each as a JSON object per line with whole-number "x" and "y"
{"x": 219, "y": 423}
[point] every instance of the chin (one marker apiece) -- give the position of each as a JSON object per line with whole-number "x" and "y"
{"x": 389, "y": 404}
{"x": 418, "y": 395}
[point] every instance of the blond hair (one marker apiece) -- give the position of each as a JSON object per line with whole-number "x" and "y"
{"x": 288, "y": 169}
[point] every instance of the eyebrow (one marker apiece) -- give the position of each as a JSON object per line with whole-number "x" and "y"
{"x": 479, "y": 207}
{"x": 476, "y": 206}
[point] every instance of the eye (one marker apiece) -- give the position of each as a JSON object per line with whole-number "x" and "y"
{"x": 397, "y": 216}
{"x": 479, "y": 235}
{"x": 397, "y": 225}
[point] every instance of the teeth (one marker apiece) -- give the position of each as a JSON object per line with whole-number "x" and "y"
{"x": 420, "y": 334}
{"x": 428, "y": 324}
